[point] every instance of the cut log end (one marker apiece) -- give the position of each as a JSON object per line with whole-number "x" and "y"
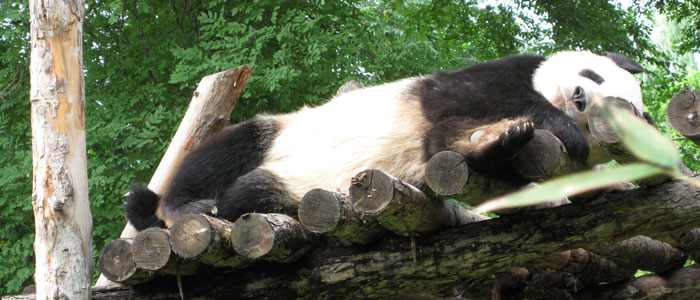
{"x": 252, "y": 236}
{"x": 683, "y": 113}
{"x": 191, "y": 234}
{"x": 599, "y": 124}
{"x": 540, "y": 156}
{"x": 326, "y": 212}
{"x": 151, "y": 249}
{"x": 116, "y": 262}
{"x": 371, "y": 191}
{"x": 319, "y": 211}
{"x": 447, "y": 173}
{"x": 270, "y": 237}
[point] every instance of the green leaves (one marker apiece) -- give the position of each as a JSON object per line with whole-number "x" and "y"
{"x": 571, "y": 185}
{"x": 643, "y": 140}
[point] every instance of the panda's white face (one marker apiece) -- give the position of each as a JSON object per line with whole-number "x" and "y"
{"x": 573, "y": 81}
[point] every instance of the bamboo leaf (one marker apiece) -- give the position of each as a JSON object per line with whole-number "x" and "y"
{"x": 643, "y": 140}
{"x": 571, "y": 185}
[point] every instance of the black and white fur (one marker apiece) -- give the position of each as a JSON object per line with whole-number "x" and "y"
{"x": 486, "y": 112}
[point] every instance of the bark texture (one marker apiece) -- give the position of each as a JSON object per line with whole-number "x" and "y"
{"x": 63, "y": 221}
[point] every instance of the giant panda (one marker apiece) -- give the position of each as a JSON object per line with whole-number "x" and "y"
{"x": 486, "y": 112}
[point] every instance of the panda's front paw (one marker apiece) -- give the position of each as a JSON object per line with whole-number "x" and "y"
{"x": 516, "y": 136}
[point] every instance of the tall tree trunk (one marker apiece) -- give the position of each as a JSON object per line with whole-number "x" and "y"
{"x": 63, "y": 243}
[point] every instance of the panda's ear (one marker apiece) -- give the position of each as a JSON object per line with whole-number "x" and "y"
{"x": 625, "y": 63}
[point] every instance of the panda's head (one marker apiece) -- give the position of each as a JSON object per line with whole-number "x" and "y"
{"x": 574, "y": 80}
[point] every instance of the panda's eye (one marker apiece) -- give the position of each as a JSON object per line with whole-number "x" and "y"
{"x": 579, "y": 93}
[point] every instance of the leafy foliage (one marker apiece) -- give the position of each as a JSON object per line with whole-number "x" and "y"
{"x": 16, "y": 229}
{"x": 143, "y": 59}
{"x": 685, "y": 12}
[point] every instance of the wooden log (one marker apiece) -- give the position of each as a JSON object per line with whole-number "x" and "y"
{"x": 448, "y": 176}
{"x": 270, "y": 237}
{"x": 208, "y": 112}
{"x": 544, "y": 157}
{"x": 151, "y": 251}
{"x": 205, "y": 239}
{"x": 117, "y": 264}
{"x": 681, "y": 284}
{"x": 682, "y": 113}
{"x": 642, "y": 253}
{"x": 331, "y": 213}
{"x": 587, "y": 267}
{"x": 600, "y": 125}
{"x": 509, "y": 284}
{"x": 447, "y": 173}
{"x": 689, "y": 242}
{"x": 402, "y": 208}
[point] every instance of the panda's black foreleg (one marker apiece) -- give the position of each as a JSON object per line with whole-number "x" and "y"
{"x": 565, "y": 128}
{"x": 257, "y": 191}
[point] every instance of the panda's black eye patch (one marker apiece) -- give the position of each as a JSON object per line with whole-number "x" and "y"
{"x": 590, "y": 74}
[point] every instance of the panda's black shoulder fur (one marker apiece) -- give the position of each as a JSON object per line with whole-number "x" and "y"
{"x": 479, "y": 90}
{"x": 489, "y": 92}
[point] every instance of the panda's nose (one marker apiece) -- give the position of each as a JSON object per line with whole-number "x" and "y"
{"x": 579, "y": 98}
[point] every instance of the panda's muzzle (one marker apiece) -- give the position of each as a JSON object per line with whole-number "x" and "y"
{"x": 579, "y": 98}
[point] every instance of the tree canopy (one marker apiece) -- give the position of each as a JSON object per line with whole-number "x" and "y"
{"x": 143, "y": 58}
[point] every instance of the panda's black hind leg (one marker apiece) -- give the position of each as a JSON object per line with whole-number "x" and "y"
{"x": 494, "y": 158}
{"x": 257, "y": 191}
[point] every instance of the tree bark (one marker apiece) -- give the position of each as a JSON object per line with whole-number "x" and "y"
{"x": 63, "y": 241}
{"x": 689, "y": 242}
{"x": 681, "y": 284}
{"x": 642, "y": 253}
{"x": 208, "y": 112}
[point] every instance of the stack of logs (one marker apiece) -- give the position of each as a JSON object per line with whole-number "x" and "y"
{"x": 379, "y": 204}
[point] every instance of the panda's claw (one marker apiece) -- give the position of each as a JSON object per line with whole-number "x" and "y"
{"x": 516, "y": 136}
